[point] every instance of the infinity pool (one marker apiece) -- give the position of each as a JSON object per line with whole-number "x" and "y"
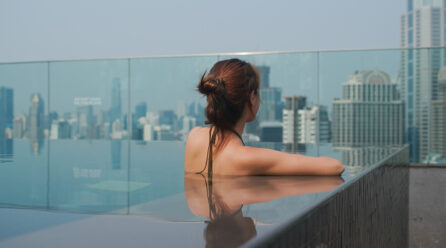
{"x": 72, "y": 193}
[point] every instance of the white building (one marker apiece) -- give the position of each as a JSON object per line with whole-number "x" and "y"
{"x": 314, "y": 126}
{"x": 54, "y": 133}
{"x": 369, "y": 113}
{"x": 148, "y": 132}
{"x": 290, "y": 119}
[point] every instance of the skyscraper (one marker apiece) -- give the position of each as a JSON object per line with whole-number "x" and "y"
{"x": 271, "y": 103}
{"x": 87, "y": 122}
{"x": 6, "y": 109}
{"x": 438, "y": 127}
{"x": 271, "y": 106}
{"x": 422, "y": 26}
{"x": 291, "y": 118}
{"x": 36, "y": 118}
{"x": 369, "y": 113}
{"x": 264, "y": 75}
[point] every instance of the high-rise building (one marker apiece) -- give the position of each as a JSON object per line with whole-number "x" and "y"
{"x": 60, "y": 129}
{"x": 271, "y": 131}
{"x": 195, "y": 109}
{"x": 438, "y": 127}
{"x": 148, "y": 134}
{"x": 291, "y": 118}
{"x": 314, "y": 125}
{"x": 164, "y": 132}
{"x": 271, "y": 103}
{"x": 167, "y": 117}
{"x": 6, "y": 109}
{"x": 369, "y": 113}
{"x": 87, "y": 122}
{"x": 264, "y": 75}
{"x": 36, "y": 118}
{"x": 140, "y": 110}
{"x": 421, "y": 26}
{"x": 271, "y": 106}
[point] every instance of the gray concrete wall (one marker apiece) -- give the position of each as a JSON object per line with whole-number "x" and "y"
{"x": 427, "y": 207}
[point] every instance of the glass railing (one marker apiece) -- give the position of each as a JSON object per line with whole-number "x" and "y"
{"x": 350, "y": 99}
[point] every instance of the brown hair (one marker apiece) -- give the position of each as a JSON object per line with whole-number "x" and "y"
{"x": 227, "y": 87}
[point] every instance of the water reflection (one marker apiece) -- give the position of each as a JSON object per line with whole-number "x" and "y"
{"x": 36, "y": 146}
{"x": 6, "y": 150}
{"x": 221, "y": 200}
{"x": 115, "y": 154}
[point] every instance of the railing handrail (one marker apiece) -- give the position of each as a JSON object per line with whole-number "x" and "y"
{"x": 219, "y": 54}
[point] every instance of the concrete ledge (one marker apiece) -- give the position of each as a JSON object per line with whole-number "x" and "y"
{"x": 427, "y": 207}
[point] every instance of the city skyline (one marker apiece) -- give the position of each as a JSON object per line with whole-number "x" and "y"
{"x": 87, "y": 121}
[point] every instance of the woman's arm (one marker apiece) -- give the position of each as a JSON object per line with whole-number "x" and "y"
{"x": 260, "y": 161}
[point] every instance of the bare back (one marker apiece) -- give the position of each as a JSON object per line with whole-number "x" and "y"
{"x": 197, "y": 145}
{"x": 233, "y": 158}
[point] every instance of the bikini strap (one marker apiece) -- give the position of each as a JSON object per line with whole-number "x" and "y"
{"x": 238, "y": 135}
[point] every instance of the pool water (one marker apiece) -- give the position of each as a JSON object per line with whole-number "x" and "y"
{"x": 73, "y": 193}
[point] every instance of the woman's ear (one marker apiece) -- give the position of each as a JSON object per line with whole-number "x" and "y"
{"x": 252, "y": 97}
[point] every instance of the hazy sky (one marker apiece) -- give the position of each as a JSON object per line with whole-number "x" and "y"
{"x": 63, "y": 30}
{"x": 59, "y": 29}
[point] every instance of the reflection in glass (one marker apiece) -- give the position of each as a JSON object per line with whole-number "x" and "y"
{"x": 6, "y": 150}
{"x": 88, "y": 99}
{"x": 115, "y": 154}
{"x": 356, "y": 159}
{"x": 6, "y": 112}
{"x": 221, "y": 199}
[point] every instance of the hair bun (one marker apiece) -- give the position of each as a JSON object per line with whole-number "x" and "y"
{"x": 211, "y": 86}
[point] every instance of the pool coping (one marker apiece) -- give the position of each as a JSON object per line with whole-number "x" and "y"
{"x": 282, "y": 227}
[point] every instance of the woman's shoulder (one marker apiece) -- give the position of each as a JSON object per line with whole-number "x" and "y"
{"x": 196, "y": 135}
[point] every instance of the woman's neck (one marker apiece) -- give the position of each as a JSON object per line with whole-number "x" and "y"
{"x": 239, "y": 126}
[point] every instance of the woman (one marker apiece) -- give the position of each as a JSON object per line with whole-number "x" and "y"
{"x": 232, "y": 91}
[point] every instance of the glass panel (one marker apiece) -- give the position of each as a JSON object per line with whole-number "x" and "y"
{"x": 89, "y": 99}
{"x": 288, "y": 95}
{"x": 89, "y": 103}
{"x": 23, "y": 130}
{"x": 92, "y": 177}
{"x": 165, "y": 106}
{"x": 165, "y": 103}
{"x": 372, "y": 113}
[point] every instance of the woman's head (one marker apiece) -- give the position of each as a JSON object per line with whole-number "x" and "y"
{"x": 231, "y": 86}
